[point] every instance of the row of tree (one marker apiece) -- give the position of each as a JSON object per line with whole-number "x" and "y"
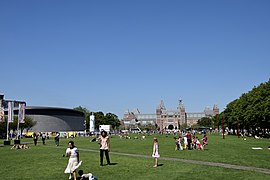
{"x": 100, "y": 118}
{"x": 28, "y": 124}
{"x": 251, "y": 111}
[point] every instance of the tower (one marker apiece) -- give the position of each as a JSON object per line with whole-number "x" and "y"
{"x": 92, "y": 123}
{"x": 215, "y": 110}
{"x": 159, "y": 112}
{"x": 160, "y": 107}
{"x": 182, "y": 110}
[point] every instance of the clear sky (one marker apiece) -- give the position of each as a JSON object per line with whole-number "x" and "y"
{"x": 116, "y": 55}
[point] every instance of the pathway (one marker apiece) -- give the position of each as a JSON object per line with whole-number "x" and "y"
{"x": 223, "y": 165}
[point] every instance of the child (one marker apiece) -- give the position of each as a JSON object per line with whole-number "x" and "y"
{"x": 198, "y": 144}
{"x": 155, "y": 153}
{"x": 180, "y": 143}
{"x": 87, "y": 176}
{"x": 185, "y": 142}
{"x": 204, "y": 140}
{"x": 194, "y": 143}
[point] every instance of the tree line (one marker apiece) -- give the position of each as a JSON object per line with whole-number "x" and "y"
{"x": 28, "y": 124}
{"x": 251, "y": 111}
{"x": 100, "y": 118}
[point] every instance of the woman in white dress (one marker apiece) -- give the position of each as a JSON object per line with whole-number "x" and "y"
{"x": 73, "y": 162}
{"x": 155, "y": 153}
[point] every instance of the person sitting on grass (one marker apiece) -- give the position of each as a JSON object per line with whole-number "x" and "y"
{"x": 194, "y": 143}
{"x": 198, "y": 144}
{"x": 87, "y": 176}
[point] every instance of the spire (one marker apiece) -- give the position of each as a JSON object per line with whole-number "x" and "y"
{"x": 181, "y": 104}
{"x": 161, "y": 105}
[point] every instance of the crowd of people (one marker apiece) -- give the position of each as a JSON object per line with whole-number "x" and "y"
{"x": 190, "y": 141}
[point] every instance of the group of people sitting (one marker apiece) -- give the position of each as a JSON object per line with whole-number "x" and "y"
{"x": 19, "y": 146}
{"x": 189, "y": 141}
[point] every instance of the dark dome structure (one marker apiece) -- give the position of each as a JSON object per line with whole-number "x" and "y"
{"x": 52, "y": 119}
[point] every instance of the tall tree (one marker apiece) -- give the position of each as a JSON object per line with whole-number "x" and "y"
{"x": 251, "y": 110}
{"x": 86, "y": 116}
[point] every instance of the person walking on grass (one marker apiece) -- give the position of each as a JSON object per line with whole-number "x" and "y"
{"x": 35, "y": 138}
{"x": 104, "y": 143}
{"x": 56, "y": 139}
{"x": 43, "y": 137}
{"x": 73, "y": 163}
{"x": 155, "y": 153}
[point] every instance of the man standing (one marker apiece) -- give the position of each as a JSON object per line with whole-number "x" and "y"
{"x": 188, "y": 135}
{"x": 56, "y": 139}
{"x": 43, "y": 137}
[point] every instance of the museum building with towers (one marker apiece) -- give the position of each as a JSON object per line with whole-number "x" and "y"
{"x": 168, "y": 119}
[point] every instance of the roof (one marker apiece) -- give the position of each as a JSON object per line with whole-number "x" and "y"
{"x": 40, "y": 110}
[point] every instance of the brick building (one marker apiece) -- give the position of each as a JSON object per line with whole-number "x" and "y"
{"x": 168, "y": 119}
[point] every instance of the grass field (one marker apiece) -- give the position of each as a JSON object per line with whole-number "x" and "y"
{"x": 46, "y": 161}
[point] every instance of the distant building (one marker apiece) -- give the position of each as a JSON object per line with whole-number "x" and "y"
{"x": 51, "y": 119}
{"x": 46, "y": 119}
{"x": 168, "y": 119}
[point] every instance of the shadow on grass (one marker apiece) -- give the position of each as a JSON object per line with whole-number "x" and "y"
{"x": 160, "y": 164}
{"x": 113, "y": 164}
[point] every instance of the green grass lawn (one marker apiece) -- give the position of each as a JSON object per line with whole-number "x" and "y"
{"x": 46, "y": 162}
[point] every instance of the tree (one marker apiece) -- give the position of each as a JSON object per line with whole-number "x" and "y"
{"x": 112, "y": 119}
{"x": 108, "y": 119}
{"x": 205, "y": 121}
{"x": 28, "y": 123}
{"x": 100, "y": 118}
{"x": 251, "y": 110}
{"x": 86, "y": 116}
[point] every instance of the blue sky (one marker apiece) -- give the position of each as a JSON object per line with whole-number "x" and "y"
{"x": 112, "y": 56}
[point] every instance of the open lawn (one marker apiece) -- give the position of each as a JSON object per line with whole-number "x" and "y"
{"x": 46, "y": 161}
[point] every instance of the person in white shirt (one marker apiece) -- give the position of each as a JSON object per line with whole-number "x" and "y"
{"x": 104, "y": 142}
{"x": 73, "y": 163}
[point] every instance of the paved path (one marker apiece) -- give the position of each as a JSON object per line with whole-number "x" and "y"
{"x": 223, "y": 165}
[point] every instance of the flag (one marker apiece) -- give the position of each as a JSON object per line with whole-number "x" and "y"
{"x": 21, "y": 112}
{"x": 2, "y": 111}
{"x": 10, "y": 111}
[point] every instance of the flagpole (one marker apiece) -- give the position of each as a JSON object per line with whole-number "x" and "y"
{"x": 18, "y": 128}
{"x": 7, "y": 129}
{"x": 19, "y": 119}
{"x": 10, "y": 116}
